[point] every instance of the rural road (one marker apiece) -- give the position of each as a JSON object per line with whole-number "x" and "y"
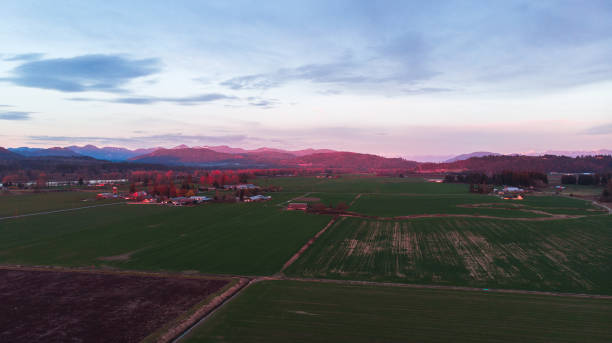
{"x": 58, "y": 211}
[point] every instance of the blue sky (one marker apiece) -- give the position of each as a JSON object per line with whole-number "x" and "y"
{"x": 395, "y": 78}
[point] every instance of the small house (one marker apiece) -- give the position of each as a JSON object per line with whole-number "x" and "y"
{"x": 198, "y": 199}
{"x": 258, "y": 198}
{"x": 105, "y": 196}
{"x": 297, "y": 206}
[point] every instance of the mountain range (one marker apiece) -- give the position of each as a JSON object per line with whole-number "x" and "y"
{"x": 223, "y": 156}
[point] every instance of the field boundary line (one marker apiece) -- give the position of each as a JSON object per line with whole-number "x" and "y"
{"x": 597, "y": 203}
{"x": 58, "y": 211}
{"x": 282, "y": 204}
{"x": 450, "y": 288}
{"x": 105, "y": 271}
{"x": 448, "y": 215}
{"x": 308, "y": 244}
{"x": 179, "y": 332}
{"x": 355, "y": 199}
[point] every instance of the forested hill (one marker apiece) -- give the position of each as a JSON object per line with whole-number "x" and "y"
{"x": 544, "y": 164}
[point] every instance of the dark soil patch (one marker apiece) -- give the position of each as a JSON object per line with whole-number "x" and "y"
{"x": 68, "y": 306}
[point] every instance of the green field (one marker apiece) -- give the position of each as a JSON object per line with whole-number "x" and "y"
{"x": 531, "y": 247}
{"x": 290, "y": 311}
{"x": 11, "y": 205}
{"x": 559, "y": 255}
{"x": 391, "y": 205}
{"x": 329, "y": 199}
{"x": 244, "y": 238}
{"x": 362, "y": 184}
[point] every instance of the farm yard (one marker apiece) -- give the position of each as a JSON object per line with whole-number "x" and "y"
{"x": 296, "y": 311}
{"x": 404, "y": 231}
{"x": 562, "y": 255}
{"x": 62, "y": 306}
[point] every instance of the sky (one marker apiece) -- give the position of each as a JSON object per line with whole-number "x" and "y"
{"x": 395, "y": 78}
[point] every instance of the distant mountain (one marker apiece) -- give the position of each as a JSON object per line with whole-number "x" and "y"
{"x": 544, "y": 164}
{"x": 226, "y": 149}
{"x": 7, "y": 155}
{"x": 272, "y": 158}
{"x": 38, "y": 152}
{"x": 109, "y": 153}
{"x": 305, "y": 152}
{"x": 230, "y": 150}
{"x": 353, "y": 161}
{"x": 187, "y": 156}
{"x": 470, "y": 155}
{"x": 428, "y": 158}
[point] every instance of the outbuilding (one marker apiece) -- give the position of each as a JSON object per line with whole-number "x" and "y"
{"x": 299, "y": 206}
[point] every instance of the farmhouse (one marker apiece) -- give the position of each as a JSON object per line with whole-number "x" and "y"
{"x": 512, "y": 196}
{"x": 105, "y": 196}
{"x": 513, "y": 190}
{"x": 138, "y": 196}
{"x": 241, "y": 186}
{"x": 257, "y": 198}
{"x": 179, "y": 201}
{"x": 297, "y": 206}
{"x": 199, "y": 199}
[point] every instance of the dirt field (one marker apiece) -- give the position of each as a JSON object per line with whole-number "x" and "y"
{"x": 69, "y": 306}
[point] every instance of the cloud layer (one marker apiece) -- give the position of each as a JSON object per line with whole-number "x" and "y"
{"x": 14, "y": 115}
{"x": 105, "y": 73}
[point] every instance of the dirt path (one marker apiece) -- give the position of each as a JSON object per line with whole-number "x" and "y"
{"x": 308, "y": 244}
{"x": 441, "y": 287}
{"x": 354, "y": 200}
{"x": 602, "y": 205}
{"x": 58, "y": 211}
{"x": 177, "y": 333}
{"x": 440, "y": 215}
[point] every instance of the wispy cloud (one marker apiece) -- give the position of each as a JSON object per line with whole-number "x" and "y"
{"x": 106, "y": 73}
{"x": 24, "y": 57}
{"x": 169, "y": 139}
{"x": 400, "y": 61}
{"x": 14, "y": 115}
{"x": 605, "y": 129}
{"x": 185, "y": 101}
{"x": 262, "y": 102}
{"x": 426, "y": 90}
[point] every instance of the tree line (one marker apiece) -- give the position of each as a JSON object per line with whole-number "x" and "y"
{"x": 508, "y": 178}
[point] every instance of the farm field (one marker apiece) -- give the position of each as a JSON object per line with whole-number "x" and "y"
{"x": 62, "y": 306}
{"x": 570, "y": 255}
{"x": 294, "y": 311}
{"x": 241, "y": 238}
{"x": 390, "y": 205}
{"x": 329, "y": 199}
{"x": 361, "y": 184}
{"x": 11, "y": 205}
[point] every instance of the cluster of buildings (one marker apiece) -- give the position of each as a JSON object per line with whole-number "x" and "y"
{"x": 510, "y": 193}
{"x": 142, "y": 197}
{"x": 244, "y": 186}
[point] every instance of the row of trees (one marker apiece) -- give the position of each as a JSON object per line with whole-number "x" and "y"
{"x": 509, "y": 178}
{"x": 586, "y": 179}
